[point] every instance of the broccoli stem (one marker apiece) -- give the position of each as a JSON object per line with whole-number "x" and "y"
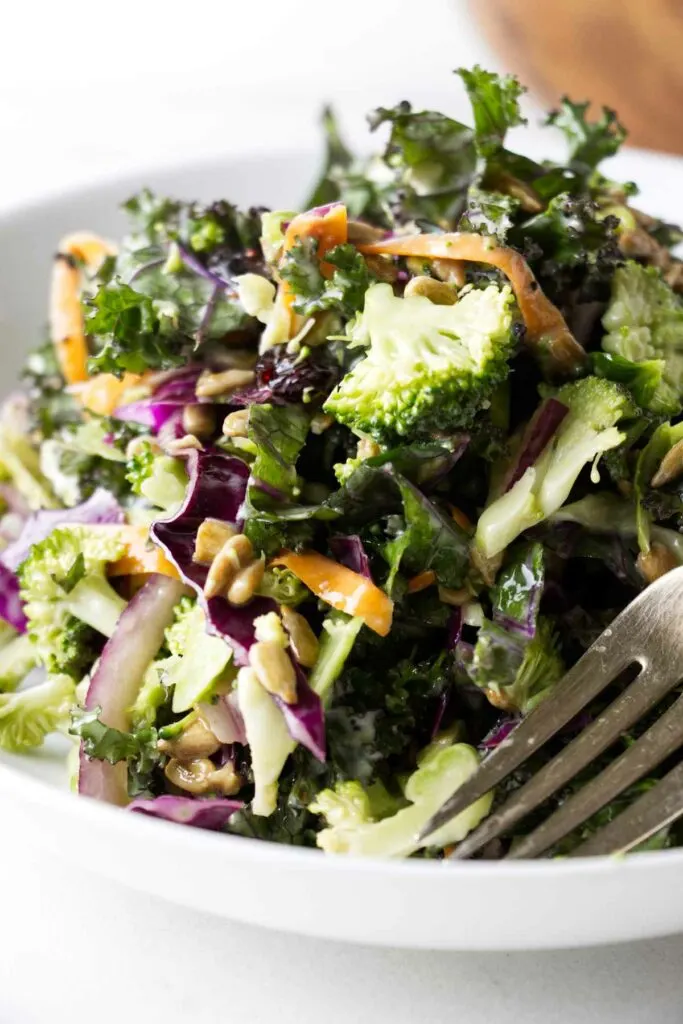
{"x": 95, "y": 602}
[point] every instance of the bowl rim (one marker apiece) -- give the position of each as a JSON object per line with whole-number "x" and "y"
{"x": 19, "y": 786}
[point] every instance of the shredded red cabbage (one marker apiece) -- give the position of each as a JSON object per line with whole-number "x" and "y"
{"x": 211, "y": 813}
{"x": 305, "y": 720}
{"x": 216, "y": 490}
{"x": 118, "y": 677}
{"x": 101, "y": 507}
{"x": 10, "y": 603}
{"x": 539, "y": 432}
{"x": 500, "y": 731}
{"x": 350, "y": 552}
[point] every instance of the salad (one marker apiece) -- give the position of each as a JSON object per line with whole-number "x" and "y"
{"x": 303, "y": 511}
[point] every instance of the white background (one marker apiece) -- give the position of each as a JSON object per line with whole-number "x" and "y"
{"x": 88, "y": 91}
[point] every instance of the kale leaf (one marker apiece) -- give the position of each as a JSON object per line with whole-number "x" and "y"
{"x": 589, "y": 142}
{"x": 105, "y": 743}
{"x": 342, "y": 293}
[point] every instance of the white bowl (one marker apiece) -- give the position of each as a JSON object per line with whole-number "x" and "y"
{"x": 427, "y": 904}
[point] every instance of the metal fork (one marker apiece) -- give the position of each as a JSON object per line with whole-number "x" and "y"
{"x": 646, "y": 638}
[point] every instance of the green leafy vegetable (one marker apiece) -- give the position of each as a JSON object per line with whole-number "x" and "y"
{"x": 342, "y": 293}
{"x": 495, "y": 107}
{"x": 139, "y": 749}
{"x": 589, "y": 142}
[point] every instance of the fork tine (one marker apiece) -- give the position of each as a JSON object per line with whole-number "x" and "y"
{"x": 645, "y": 630}
{"x": 591, "y": 674}
{"x": 660, "y": 806}
{"x": 642, "y": 694}
{"x": 660, "y": 740}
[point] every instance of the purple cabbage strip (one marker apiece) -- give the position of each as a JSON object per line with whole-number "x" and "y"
{"x": 440, "y": 712}
{"x": 208, "y": 813}
{"x": 178, "y": 386}
{"x": 500, "y": 731}
{"x": 147, "y": 412}
{"x": 194, "y": 264}
{"x": 224, "y": 719}
{"x": 305, "y": 720}
{"x": 116, "y": 682}
{"x": 176, "y": 389}
{"x": 216, "y": 490}
{"x": 454, "y": 629}
{"x": 10, "y": 602}
{"x": 172, "y": 428}
{"x": 539, "y": 432}
{"x": 350, "y": 552}
{"x": 101, "y": 507}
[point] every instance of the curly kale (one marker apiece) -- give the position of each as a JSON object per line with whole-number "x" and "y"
{"x": 168, "y": 290}
{"x": 343, "y": 293}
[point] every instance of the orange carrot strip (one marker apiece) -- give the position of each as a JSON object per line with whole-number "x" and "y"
{"x": 330, "y": 229}
{"x": 103, "y": 392}
{"x": 459, "y": 517}
{"x": 546, "y": 327}
{"x": 66, "y": 317}
{"x": 345, "y": 590}
{"x": 140, "y": 556}
{"x": 421, "y": 581}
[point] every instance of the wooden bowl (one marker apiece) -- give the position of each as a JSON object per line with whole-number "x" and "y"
{"x": 625, "y": 54}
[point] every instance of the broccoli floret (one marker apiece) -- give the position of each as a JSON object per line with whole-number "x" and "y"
{"x": 348, "y": 810}
{"x": 79, "y": 648}
{"x": 17, "y": 658}
{"x": 428, "y": 367}
{"x": 644, "y": 324}
{"x": 63, "y": 579}
{"x": 337, "y": 638}
{"x": 589, "y": 429}
{"x": 282, "y": 586}
{"x": 160, "y": 479}
{"x": 22, "y": 464}
{"x": 150, "y": 698}
{"x": 28, "y": 716}
{"x": 78, "y": 460}
{"x": 516, "y": 673}
{"x": 198, "y": 661}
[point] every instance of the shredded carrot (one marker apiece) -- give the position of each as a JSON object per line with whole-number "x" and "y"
{"x": 329, "y": 228}
{"x": 103, "y": 392}
{"x": 140, "y": 556}
{"x": 343, "y": 589}
{"x": 546, "y": 328}
{"x": 459, "y": 517}
{"x": 66, "y": 318}
{"x": 421, "y": 581}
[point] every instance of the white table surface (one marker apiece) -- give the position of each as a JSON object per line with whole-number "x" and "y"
{"x": 76, "y": 949}
{"x": 94, "y": 91}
